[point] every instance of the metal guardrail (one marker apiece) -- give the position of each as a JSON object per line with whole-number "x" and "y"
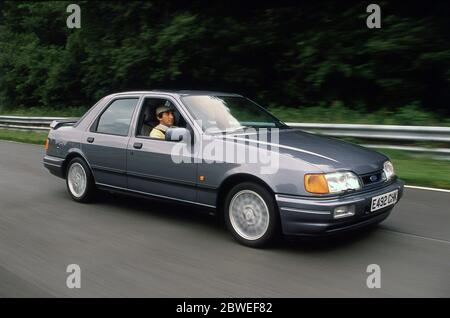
{"x": 28, "y": 123}
{"x": 386, "y": 133}
{"x": 380, "y": 132}
{"x": 373, "y": 132}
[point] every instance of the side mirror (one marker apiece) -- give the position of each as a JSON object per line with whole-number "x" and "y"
{"x": 178, "y": 134}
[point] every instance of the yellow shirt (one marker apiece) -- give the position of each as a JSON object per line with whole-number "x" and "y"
{"x": 159, "y": 132}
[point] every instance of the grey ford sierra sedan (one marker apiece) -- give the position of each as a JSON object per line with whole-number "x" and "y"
{"x": 225, "y": 152}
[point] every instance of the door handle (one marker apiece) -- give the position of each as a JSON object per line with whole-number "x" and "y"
{"x": 90, "y": 139}
{"x": 137, "y": 145}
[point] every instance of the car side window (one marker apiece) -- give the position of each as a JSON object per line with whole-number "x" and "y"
{"x": 116, "y": 119}
{"x": 148, "y": 120}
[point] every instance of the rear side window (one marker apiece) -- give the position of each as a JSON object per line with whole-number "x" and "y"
{"x": 116, "y": 119}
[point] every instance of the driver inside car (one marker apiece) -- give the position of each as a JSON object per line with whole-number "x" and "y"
{"x": 165, "y": 115}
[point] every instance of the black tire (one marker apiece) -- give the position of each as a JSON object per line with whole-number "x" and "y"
{"x": 89, "y": 193}
{"x": 273, "y": 226}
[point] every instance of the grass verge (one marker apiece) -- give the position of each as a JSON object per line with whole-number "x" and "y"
{"x": 45, "y": 112}
{"x": 339, "y": 114}
{"x": 420, "y": 171}
{"x": 334, "y": 113}
{"x": 32, "y": 137}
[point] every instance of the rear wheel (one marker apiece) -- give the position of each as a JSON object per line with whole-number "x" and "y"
{"x": 79, "y": 181}
{"x": 250, "y": 214}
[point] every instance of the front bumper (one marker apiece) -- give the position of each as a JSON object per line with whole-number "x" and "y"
{"x": 313, "y": 216}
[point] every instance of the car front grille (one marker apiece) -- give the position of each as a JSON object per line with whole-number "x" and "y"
{"x": 373, "y": 179}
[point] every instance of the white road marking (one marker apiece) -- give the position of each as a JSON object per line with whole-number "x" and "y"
{"x": 387, "y": 229}
{"x": 425, "y": 188}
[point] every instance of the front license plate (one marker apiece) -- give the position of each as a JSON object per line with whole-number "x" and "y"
{"x": 384, "y": 200}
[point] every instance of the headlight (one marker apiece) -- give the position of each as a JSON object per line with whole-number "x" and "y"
{"x": 388, "y": 169}
{"x": 334, "y": 182}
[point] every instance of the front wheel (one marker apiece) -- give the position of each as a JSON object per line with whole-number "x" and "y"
{"x": 79, "y": 181}
{"x": 251, "y": 215}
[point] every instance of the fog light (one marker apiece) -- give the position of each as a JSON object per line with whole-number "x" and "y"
{"x": 344, "y": 211}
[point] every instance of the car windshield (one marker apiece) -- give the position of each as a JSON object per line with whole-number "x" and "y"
{"x": 217, "y": 114}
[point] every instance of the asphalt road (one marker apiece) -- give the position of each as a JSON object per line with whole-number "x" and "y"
{"x": 145, "y": 248}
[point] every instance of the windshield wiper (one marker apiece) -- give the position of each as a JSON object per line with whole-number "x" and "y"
{"x": 230, "y": 131}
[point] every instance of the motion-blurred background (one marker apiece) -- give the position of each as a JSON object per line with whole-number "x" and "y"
{"x": 307, "y": 62}
{"x": 314, "y": 64}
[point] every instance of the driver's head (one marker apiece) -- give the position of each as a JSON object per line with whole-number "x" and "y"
{"x": 164, "y": 114}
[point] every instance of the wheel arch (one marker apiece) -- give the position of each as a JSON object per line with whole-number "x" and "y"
{"x": 229, "y": 182}
{"x": 71, "y": 155}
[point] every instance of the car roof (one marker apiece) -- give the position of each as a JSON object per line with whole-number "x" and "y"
{"x": 179, "y": 92}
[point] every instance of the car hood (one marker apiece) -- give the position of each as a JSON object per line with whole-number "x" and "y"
{"x": 327, "y": 154}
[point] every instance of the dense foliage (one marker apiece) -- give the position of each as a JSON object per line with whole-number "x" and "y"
{"x": 313, "y": 53}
